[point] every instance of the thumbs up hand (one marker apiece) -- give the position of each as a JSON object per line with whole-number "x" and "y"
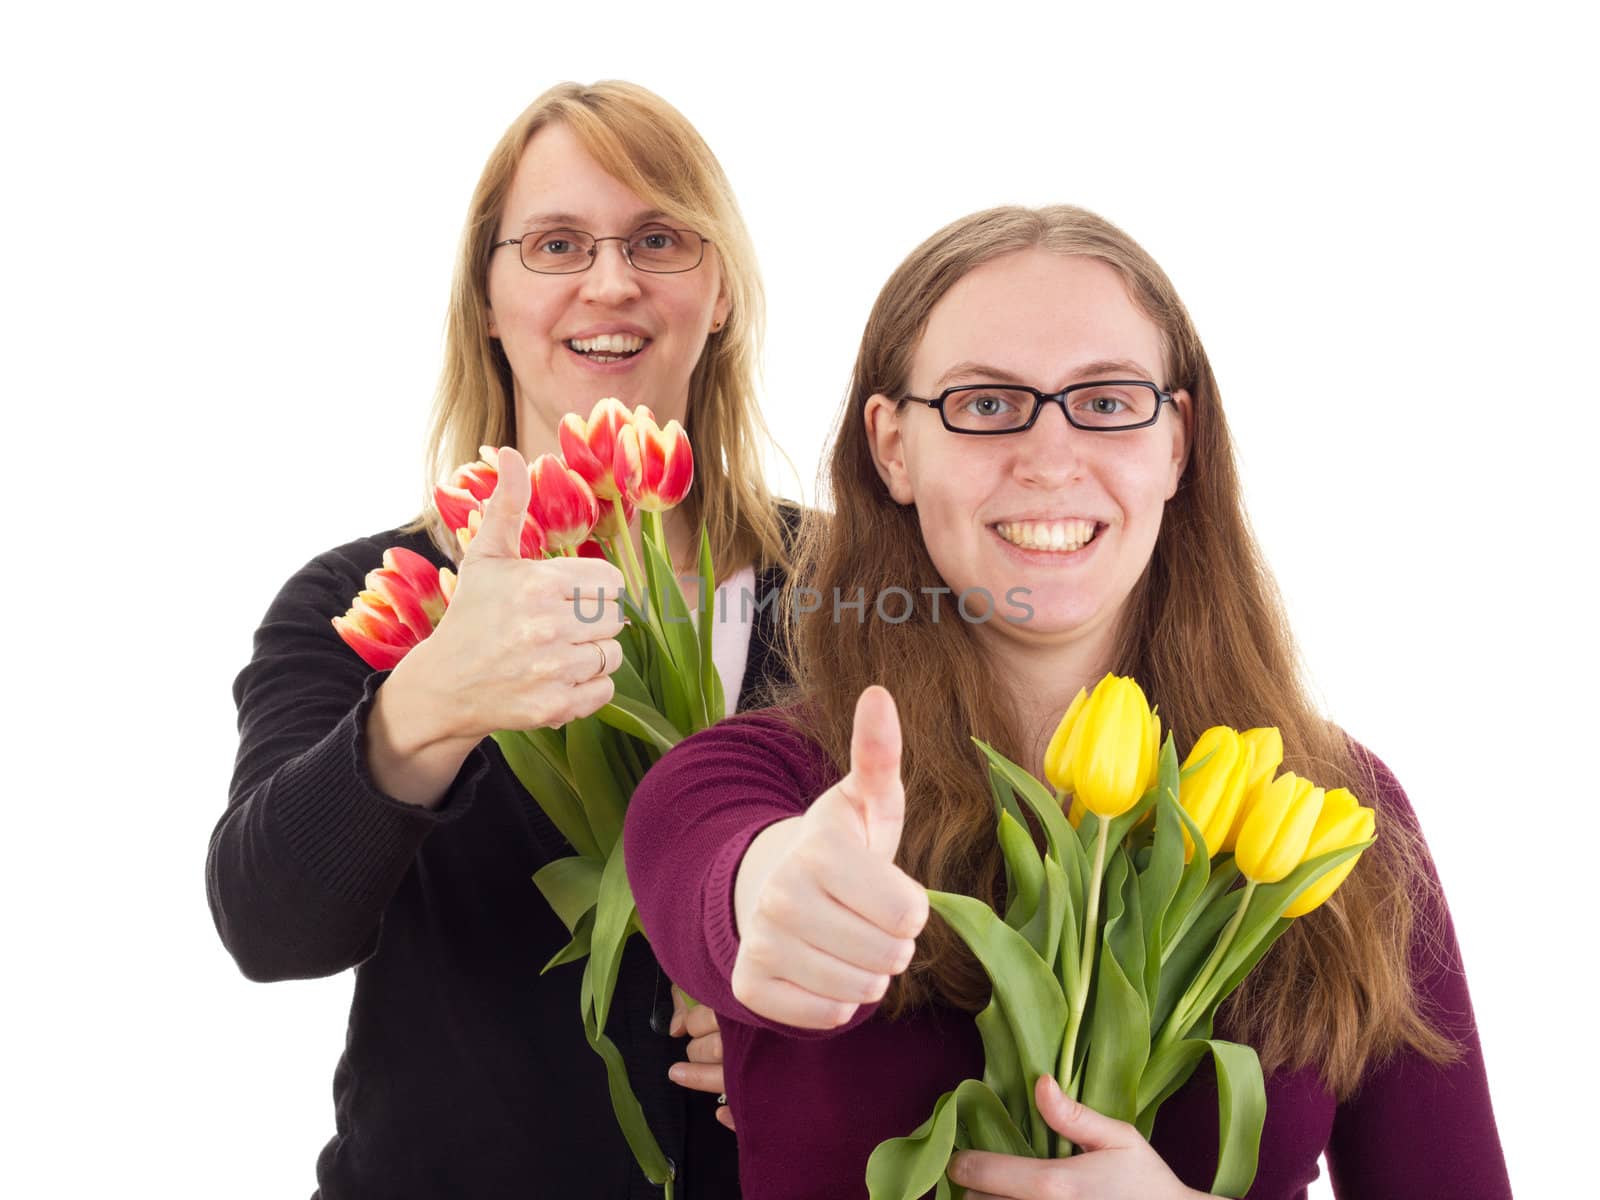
{"x": 500, "y": 533}
{"x": 825, "y": 917}
{"x": 525, "y": 643}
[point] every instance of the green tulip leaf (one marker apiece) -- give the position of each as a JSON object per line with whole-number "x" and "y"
{"x": 906, "y": 1168}
{"x": 546, "y": 779}
{"x": 1059, "y": 834}
{"x": 1005, "y": 796}
{"x": 1028, "y": 993}
{"x": 1241, "y": 1113}
{"x": 590, "y": 750}
{"x": 1119, "y": 1022}
{"x": 1124, "y": 926}
{"x": 710, "y": 678}
{"x": 987, "y": 1122}
{"x": 1263, "y": 923}
{"x": 1043, "y": 930}
{"x": 642, "y": 721}
{"x": 676, "y": 623}
{"x": 1024, "y": 872}
{"x": 628, "y": 682}
{"x": 1167, "y": 1071}
{"x": 571, "y": 886}
{"x": 1183, "y": 963}
{"x": 1241, "y": 1104}
{"x": 614, "y": 921}
{"x": 578, "y": 947}
{"x": 1196, "y": 874}
{"x": 630, "y": 1115}
{"x": 1159, "y": 881}
{"x": 1223, "y": 874}
{"x": 1002, "y": 1068}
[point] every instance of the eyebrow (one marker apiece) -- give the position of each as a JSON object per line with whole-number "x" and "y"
{"x": 1106, "y": 368}
{"x": 566, "y": 220}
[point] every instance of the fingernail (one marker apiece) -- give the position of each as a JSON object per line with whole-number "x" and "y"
{"x": 677, "y": 1073}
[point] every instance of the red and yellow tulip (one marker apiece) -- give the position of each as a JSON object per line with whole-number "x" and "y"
{"x": 562, "y": 504}
{"x": 402, "y": 603}
{"x": 590, "y": 447}
{"x": 653, "y": 464}
{"x": 460, "y": 503}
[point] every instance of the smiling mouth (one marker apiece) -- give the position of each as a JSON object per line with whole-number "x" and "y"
{"x": 1052, "y": 537}
{"x": 608, "y": 347}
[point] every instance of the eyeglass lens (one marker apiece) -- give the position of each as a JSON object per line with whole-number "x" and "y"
{"x": 656, "y": 248}
{"x": 988, "y": 409}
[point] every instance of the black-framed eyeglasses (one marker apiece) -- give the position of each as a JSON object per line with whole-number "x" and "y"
{"x": 655, "y": 248}
{"x": 1105, "y": 406}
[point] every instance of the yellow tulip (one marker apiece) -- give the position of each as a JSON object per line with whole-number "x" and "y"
{"x": 1266, "y": 756}
{"x": 1057, "y": 766}
{"x": 1277, "y": 828}
{"x": 1213, "y": 794}
{"x": 1343, "y": 821}
{"x": 1109, "y": 751}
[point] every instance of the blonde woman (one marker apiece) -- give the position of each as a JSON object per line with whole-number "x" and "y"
{"x": 1038, "y": 486}
{"x": 370, "y": 825}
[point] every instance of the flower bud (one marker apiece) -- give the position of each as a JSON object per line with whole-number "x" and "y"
{"x": 1277, "y": 828}
{"x": 1214, "y": 791}
{"x": 1343, "y": 821}
{"x": 1108, "y": 747}
{"x": 561, "y": 504}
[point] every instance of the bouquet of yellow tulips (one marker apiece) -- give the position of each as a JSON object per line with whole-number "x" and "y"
{"x": 583, "y": 773}
{"x": 1159, "y": 889}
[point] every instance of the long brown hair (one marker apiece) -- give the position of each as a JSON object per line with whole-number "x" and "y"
{"x": 651, "y": 149}
{"x": 1203, "y": 631}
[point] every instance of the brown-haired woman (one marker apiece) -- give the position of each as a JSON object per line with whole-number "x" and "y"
{"x": 779, "y": 859}
{"x": 370, "y": 825}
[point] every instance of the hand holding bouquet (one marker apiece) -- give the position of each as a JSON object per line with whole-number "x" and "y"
{"x": 1158, "y": 890}
{"x": 580, "y": 763}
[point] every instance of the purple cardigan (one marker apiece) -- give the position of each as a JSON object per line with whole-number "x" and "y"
{"x": 810, "y": 1106}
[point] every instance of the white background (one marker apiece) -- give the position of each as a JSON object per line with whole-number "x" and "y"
{"x": 228, "y": 234}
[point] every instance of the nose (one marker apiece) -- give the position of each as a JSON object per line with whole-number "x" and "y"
{"x": 612, "y": 279}
{"x": 1051, "y": 454}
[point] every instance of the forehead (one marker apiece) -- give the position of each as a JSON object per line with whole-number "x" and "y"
{"x": 558, "y": 182}
{"x": 1041, "y": 316}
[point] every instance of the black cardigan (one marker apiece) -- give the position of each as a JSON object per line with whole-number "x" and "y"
{"x": 465, "y": 1072}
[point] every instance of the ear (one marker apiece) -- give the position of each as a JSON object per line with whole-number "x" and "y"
{"x": 720, "y": 310}
{"x": 494, "y": 330}
{"x": 1182, "y": 439}
{"x": 887, "y": 446}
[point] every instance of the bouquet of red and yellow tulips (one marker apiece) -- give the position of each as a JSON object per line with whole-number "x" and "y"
{"x": 1158, "y": 890}
{"x": 583, "y": 773}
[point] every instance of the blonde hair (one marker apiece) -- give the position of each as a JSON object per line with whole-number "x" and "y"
{"x": 1204, "y": 633}
{"x": 651, "y": 149}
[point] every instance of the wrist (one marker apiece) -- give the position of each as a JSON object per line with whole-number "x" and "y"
{"x": 410, "y": 755}
{"x": 763, "y": 853}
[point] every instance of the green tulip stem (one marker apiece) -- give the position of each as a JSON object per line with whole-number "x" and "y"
{"x": 632, "y": 572}
{"x": 1190, "y": 1006}
{"x": 1080, "y": 997}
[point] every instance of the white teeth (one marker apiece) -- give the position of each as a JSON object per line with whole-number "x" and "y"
{"x": 608, "y": 343}
{"x": 1056, "y": 536}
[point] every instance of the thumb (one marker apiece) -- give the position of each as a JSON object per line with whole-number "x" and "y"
{"x": 500, "y": 533}
{"x": 873, "y": 786}
{"x": 1080, "y": 1124}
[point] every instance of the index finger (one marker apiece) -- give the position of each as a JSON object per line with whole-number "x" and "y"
{"x": 586, "y": 575}
{"x": 875, "y": 890}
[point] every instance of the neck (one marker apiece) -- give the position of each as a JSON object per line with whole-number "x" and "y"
{"x": 1043, "y": 679}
